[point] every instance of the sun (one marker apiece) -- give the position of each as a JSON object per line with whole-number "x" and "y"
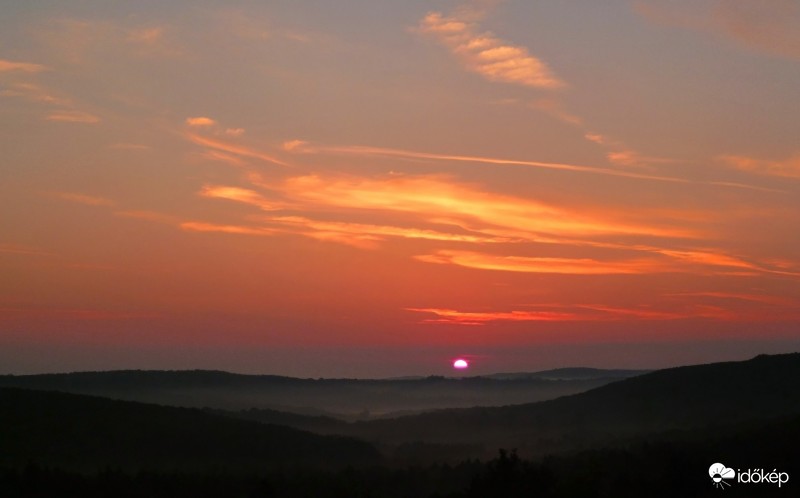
{"x": 460, "y": 364}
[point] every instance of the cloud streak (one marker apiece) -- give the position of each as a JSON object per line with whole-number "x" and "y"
{"x": 301, "y": 146}
{"x": 566, "y": 266}
{"x": 89, "y": 200}
{"x": 560, "y": 313}
{"x": 73, "y": 116}
{"x": 21, "y": 67}
{"x": 232, "y": 148}
{"x": 787, "y": 168}
{"x": 362, "y": 150}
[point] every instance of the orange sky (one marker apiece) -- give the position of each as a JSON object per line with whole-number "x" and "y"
{"x": 371, "y": 188}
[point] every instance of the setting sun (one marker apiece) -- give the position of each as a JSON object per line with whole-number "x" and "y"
{"x": 460, "y": 364}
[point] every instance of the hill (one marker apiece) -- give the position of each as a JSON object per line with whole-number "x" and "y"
{"x": 84, "y": 432}
{"x": 714, "y": 396}
{"x": 346, "y": 398}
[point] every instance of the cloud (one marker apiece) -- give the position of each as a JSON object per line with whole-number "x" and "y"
{"x": 88, "y": 200}
{"x": 481, "y": 318}
{"x": 366, "y": 151}
{"x": 200, "y": 121}
{"x": 72, "y": 116}
{"x": 754, "y": 298}
{"x": 368, "y": 235}
{"x": 151, "y": 216}
{"x": 768, "y": 26}
{"x": 689, "y": 309}
{"x": 361, "y": 150}
{"x": 240, "y": 195}
{"x": 555, "y": 108}
{"x": 620, "y": 155}
{"x": 555, "y": 313}
{"x": 294, "y": 145}
{"x": 231, "y": 148}
{"x": 22, "y": 249}
{"x": 35, "y": 93}
{"x": 567, "y": 266}
{"x": 80, "y": 41}
{"x": 129, "y": 146}
{"x": 22, "y": 67}
{"x": 61, "y": 109}
{"x": 197, "y": 226}
{"x": 487, "y": 55}
{"x": 787, "y": 168}
{"x": 250, "y": 26}
{"x": 441, "y": 197}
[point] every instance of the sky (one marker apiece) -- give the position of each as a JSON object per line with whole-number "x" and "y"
{"x": 374, "y": 188}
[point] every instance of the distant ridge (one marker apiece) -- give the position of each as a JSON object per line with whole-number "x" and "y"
{"x": 570, "y": 373}
{"x": 347, "y": 398}
{"x": 206, "y": 377}
{"x": 711, "y": 395}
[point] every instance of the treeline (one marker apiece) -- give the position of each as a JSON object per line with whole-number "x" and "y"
{"x": 655, "y": 470}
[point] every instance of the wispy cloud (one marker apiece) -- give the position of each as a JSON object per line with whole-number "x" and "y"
{"x": 59, "y": 108}
{"x": 484, "y": 53}
{"x": 787, "y": 168}
{"x": 553, "y": 107}
{"x": 241, "y": 195}
{"x": 73, "y": 116}
{"x": 769, "y": 26}
{"x": 89, "y": 200}
{"x": 22, "y": 67}
{"x": 197, "y": 226}
{"x": 442, "y": 197}
{"x": 81, "y": 41}
{"x": 569, "y": 266}
{"x": 151, "y": 216}
{"x": 361, "y": 150}
{"x": 648, "y": 261}
{"x": 683, "y": 310}
{"x": 754, "y": 298}
{"x": 35, "y": 93}
{"x": 482, "y": 318}
{"x": 22, "y": 249}
{"x": 301, "y": 146}
{"x": 129, "y": 146}
{"x": 561, "y": 313}
{"x": 235, "y": 149}
{"x": 200, "y": 121}
{"x": 367, "y": 236}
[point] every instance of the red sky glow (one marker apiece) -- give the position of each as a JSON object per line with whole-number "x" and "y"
{"x": 294, "y": 187}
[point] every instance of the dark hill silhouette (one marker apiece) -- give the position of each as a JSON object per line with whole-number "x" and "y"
{"x": 85, "y": 432}
{"x": 660, "y": 466}
{"x": 350, "y": 398}
{"x": 713, "y": 395}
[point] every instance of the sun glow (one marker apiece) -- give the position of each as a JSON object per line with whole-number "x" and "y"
{"x": 460, "y": 364}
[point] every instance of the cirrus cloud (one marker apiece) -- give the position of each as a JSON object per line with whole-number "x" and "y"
{"x": 487, "y": 55}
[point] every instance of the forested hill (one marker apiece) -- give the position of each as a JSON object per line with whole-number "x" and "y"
{"x": 713, "y": 395}
{"x": 86, "y": 432}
